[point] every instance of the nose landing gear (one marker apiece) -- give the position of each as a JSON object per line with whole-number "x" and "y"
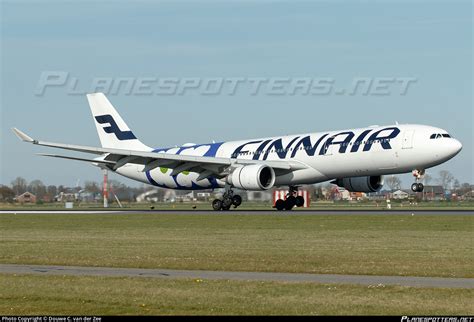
{"x": 292, "y": 200}
{"x": 418, "y": 186}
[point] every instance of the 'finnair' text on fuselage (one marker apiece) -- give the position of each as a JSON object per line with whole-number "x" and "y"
{"x": 343, "y": 139}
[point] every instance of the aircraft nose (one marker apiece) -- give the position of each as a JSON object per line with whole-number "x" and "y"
{"x": 451, "y": 148}
{"x": 456, "y": 146}
{"x": 447, "y": 149}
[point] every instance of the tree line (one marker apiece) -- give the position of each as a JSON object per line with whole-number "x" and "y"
{"x": 20, "y": 185}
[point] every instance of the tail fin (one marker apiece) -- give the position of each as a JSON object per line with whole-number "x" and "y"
{"x": 113, "y": 131}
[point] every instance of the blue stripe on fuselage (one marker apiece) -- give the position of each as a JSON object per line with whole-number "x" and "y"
{"x": 211, "y": 152}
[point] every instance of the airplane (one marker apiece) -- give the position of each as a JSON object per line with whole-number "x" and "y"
{"x": 356, "y": 159}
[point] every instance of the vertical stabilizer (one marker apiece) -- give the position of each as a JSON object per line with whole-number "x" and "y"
{"x": 113, "y": 131}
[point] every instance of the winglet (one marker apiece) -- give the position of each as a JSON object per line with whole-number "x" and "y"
{"x": 22, "y": 136}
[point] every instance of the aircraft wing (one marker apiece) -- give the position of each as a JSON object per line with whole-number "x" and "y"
{"x": 116, "y": 158}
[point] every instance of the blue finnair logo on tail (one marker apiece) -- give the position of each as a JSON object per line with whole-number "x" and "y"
{"x": 113, "y": 128}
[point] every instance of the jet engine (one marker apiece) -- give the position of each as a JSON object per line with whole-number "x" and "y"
{"x": 252, "y": 177}
{"x": 361, "y": 184}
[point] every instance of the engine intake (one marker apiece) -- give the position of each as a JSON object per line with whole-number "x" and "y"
{"x": 361, "y": 184}
{"x": 252, "y": 177}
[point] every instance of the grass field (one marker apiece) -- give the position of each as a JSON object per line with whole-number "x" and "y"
{"x": 420, "y": 245}
{"x": 71, "y": 295}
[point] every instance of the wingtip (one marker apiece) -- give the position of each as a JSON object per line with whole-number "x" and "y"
{"x": 22, "y": 136}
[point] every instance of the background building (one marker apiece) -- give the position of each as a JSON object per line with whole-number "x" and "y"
{"x": 26, "y": 197}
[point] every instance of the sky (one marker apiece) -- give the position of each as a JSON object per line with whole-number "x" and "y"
{"x": 429, "y": 42}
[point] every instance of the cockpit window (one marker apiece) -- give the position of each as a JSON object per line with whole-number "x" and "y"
{"x": 439, "y": 136}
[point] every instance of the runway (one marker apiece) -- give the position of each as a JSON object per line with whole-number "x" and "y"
{"x": 346, "y": 212}
{"x": 371, "y": 281}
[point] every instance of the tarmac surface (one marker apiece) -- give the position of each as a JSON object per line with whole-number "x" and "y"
{"x": 374, "y": 281}
{"x": 347, "y": 212}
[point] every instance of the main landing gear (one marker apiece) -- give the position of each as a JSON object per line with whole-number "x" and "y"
{"x": 292, "y": 200}
{"x": 418, "y": 186}
{"x": 228, "y": 200}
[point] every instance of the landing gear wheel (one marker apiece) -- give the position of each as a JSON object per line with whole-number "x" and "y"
{"x": 226, "y": 203}
{"x": 299, "y": 202}
{"x": 290, "y": 202}
{"x": 420, "y": 187}
{"x": 417, "y": 187}
{"x": 280, "y": 204}
{"x": 236, "y": 201}
{"x": 217, "y": 204}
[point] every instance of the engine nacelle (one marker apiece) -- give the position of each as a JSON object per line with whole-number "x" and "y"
{"x": 361, "y": 184}
{"x": 252, "y": 177}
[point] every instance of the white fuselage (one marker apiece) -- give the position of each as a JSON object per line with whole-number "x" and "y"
{"x": 377, "y": 150}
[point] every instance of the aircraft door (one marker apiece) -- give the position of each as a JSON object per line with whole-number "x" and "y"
{"x": 408, "y": 139}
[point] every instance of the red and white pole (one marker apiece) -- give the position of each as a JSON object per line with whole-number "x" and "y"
{"x": 105, "y": 190}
